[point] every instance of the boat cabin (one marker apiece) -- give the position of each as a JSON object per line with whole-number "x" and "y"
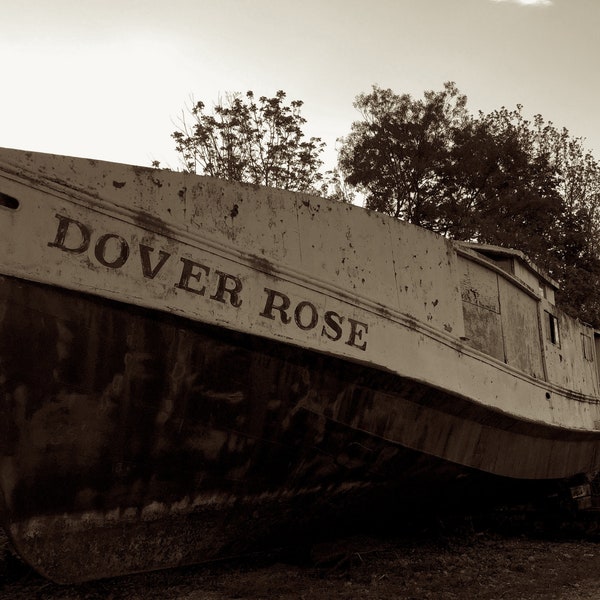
{"x": 510, "y": 313}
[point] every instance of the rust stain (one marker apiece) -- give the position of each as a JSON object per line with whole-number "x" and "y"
{"x": 151, "y": 222}
{"x": 261, "y": 264}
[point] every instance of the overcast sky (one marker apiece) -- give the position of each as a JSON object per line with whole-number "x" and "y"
{"x": 108, "y": 78}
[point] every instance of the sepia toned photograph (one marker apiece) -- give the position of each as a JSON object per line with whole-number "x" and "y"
{"x": 300, "y": 300}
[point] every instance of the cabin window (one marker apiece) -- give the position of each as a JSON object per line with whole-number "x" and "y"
{"x": 8, "y": 201}
{"x": 552, "y": 331}
{"x": 586, "y": 342}
{"x": 597, "y": 348}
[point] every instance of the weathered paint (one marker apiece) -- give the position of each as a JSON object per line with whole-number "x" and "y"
{"x": 508, "y": 317}
{"x": 178, "y": 353}
{"x": 203, "y": 232}
{"x": 141, "y": 441}
{"x": 568, "y": 365}
{"x": 520, "y": 327}
{"x": 481, "y": 306}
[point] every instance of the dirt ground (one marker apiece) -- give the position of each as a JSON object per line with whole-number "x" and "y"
{"x": 460, "y": 564}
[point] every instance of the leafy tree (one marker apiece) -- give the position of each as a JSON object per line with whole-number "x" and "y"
{"x": 515, "y": 183}
{"x": 576, "y": 256}
{"x": 431, "y": 163}
{"x": 253, "y": 140}
{"x": 495, "y": 178}
{"x": 395, "y": 154}
{"x": 564, "y": 239}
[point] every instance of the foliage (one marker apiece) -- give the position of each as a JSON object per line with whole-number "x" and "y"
{"x": 494, "y": 178}
{"x": 561, "y": 195}
{"x": 394, "y": 156}
{"x": 253, "y": 140}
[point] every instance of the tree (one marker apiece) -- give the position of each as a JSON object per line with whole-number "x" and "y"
{"x": 431, "y": 163}
{"x": 255, "y": 141}
{"x": 564, "y": 240}
{"x": 514, "y": 183}
{"x": 395, "y": 154}
{"x": 497, "y": 178}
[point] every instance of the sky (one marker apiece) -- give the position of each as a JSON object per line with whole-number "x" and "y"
{"x": 109, "y": 79}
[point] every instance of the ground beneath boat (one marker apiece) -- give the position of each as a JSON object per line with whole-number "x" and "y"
{"x": 444, "y": 562}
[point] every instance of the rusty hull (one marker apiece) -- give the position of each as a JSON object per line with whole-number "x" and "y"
{"x": 133, "y": 440}
{"x": 192, "y": 368}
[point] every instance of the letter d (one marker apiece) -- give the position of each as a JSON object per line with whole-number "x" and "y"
{"x": 61, "y": 236}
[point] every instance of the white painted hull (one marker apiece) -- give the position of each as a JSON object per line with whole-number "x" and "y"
{"x": 285, "y": 350}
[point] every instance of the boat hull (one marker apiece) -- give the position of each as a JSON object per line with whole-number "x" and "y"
{"x": 191, "y": 368}
{"x": 142, "y": 441}
{"x": 135, "y": 440}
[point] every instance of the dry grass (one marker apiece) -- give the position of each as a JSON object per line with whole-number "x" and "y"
{"x": 457, "y": 565}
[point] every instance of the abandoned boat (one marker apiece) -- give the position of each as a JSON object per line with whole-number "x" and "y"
{"x": 187, "y": 364}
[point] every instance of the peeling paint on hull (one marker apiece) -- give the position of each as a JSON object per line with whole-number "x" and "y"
{"x": 142, "y": 442}
{"x": 180, "y": 383}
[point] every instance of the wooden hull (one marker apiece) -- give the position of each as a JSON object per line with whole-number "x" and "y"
{"x": 135, "y": 441}
{"x": 196, "y": 375}
{"x": 141, "y": 441}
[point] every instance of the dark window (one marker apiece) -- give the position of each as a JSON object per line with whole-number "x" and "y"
{"x": 8, "y": 201}
{"x": 552, "y": 331}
